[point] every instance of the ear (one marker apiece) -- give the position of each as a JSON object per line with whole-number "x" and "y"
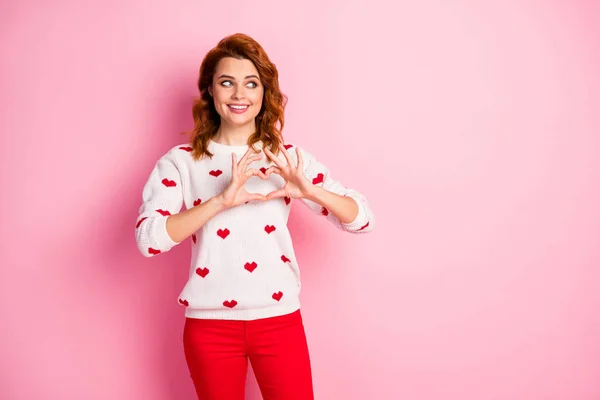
{"x": 210, "y": 90}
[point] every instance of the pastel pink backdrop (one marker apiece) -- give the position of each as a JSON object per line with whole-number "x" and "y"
{"x": 472, "y": 127}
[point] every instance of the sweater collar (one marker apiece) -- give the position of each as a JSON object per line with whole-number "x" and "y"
{"x": 218, "y": 148}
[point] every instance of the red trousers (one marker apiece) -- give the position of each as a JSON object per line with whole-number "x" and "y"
{"x": 217, "y": 354}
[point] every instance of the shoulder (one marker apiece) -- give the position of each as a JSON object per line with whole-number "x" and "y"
{"x": 178, "y": 154}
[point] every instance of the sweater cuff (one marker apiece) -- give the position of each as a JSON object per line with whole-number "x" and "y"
{"x": 163, "y": 239}
{"x": 361, "y": 218}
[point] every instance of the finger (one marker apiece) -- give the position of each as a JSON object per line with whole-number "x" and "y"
{"x": 287, "y": 155}
{"x": 300, "y": 159}
{"x": 246, "y": 155}
{"x": 233, "y": 164}
{"x": 250, "y": 160}
{"x": 276, "y": 194}
{"x": 255, "y": 172}
{"x": 276, "y": 160}
{"x": 272, "y": 170}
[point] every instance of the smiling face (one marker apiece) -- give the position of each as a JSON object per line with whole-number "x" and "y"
{"x": 237, "y": 92}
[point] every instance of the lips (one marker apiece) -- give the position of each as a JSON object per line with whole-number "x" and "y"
{"x": 238, "y": 108}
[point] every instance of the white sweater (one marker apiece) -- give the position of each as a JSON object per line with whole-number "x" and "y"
{"x": 243, "y": 265}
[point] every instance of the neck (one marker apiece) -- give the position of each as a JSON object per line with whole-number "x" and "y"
{"x": 234, "y": 135}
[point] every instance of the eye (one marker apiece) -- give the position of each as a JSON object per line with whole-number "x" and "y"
{"x": 226, "y": 83}
{"x": 253, "y": 83}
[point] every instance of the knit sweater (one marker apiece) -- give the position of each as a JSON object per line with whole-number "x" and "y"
{"x": 243, "y": 265}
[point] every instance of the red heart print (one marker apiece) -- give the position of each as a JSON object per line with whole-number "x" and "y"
{"x": 230, "y": 304}
{"x": 288, "y": 146}
{"x": 285, "y": 259}
{"x": 186, "y": 148}
{"x": 197, "y": 202}
{"x": 194, "y": 237}
{"x": 277, "y": 296}
{"x": 263, "y": 170}
{"x": 324, "y": 212}
{"x": 153, "y": 251}
{"x": 215, "y": 173}
{"x": 287, "y": 200}
{"x": 164, "y": 213}
{"x": 168, "y": 183}
{"x": 223, "y": 233}
{"x": 140, "y": 222}
{"x": 318, "y": 179}
{"x": 184, "y": 302}
{"x": 363, "y": 227}
{"x": 251, "y": 266}
{"x": 202, "y": 271}
{"x": 269, "y": 228}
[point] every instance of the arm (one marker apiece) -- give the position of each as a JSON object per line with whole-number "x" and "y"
{"x": 162, "y": 197}
{"x": 162, "y": 225}
{"x": 310, "y": 181}
{"x": 345, "y": 208}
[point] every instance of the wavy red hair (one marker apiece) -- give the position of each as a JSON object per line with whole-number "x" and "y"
{"x": 269, "y": 121}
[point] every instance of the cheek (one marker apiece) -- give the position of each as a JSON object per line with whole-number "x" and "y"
{"x": 257, "y": 98}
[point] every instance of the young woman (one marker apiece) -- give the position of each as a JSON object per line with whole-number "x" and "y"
{"x": 237, "y": 180}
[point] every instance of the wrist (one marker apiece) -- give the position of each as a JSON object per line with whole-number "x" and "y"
{"x": 219, "y": 202}
{"x": 313, "y": 194}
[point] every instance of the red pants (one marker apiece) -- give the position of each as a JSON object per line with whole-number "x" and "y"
{"x": 217, "y": 353}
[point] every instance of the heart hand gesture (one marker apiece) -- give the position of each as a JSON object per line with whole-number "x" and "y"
{"x": 235, "y": 193}
{"x": 296, "y": 186}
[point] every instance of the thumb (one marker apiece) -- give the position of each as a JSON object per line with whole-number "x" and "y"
{"x": 257, "y": 197}
{"x": 277, "y": 193}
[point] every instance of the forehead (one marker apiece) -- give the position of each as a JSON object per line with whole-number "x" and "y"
{"x": 234, "y": 67}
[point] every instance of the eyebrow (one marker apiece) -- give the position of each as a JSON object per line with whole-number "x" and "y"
{"x": 231, "y": 77}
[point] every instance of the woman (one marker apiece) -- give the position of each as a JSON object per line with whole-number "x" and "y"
{"x": 237, "y": 180}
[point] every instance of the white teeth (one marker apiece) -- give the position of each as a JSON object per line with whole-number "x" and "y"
{"x": 238, "y": 107}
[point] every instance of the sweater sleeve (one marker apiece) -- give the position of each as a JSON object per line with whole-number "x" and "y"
{"x": 162, "y": 196}
{"x": 320, "y": 175}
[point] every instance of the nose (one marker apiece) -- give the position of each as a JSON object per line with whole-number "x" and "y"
{"x": 238, "y": 93}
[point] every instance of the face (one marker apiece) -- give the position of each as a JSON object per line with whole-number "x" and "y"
{"x": 237, "y": 91}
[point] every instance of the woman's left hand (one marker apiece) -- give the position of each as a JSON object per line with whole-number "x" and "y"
{"x": 296, "y": 186}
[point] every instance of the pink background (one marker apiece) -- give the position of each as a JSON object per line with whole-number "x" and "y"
{"x": 472, "y": 127}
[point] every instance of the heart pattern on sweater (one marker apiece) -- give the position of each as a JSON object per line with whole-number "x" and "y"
{"x": 140, "y": 222}
{"x": 250, "y": 266}
{"x": 230, "y": 304}
{"x": 169, "y": 183}
{"x": 318, "y": 179}
{"x": 277, "y": 296}
{"x": 223, "y": 233}
{"x": 168, "y": 178}
{"x": 202, "y": 272}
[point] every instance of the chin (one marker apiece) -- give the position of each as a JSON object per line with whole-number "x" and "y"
{"x": 241, "y": 120}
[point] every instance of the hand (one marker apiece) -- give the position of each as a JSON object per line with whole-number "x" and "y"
{"x": 235, "y": 193}
{"x": 297, "y": 186}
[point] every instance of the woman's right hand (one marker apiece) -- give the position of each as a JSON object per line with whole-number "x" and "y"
{"x": 235, "y": 193}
